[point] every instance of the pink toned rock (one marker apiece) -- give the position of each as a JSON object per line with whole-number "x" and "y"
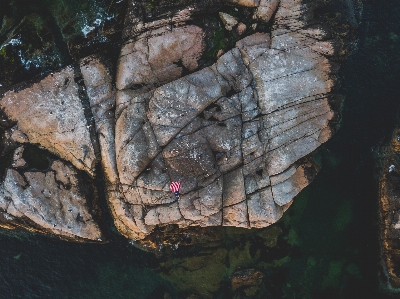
{"x": 18, "y": 161}
{"x": 265, "y": 10}
{"x": 50, "y": 114}
{"x": 242, "y": 157}
{"x": 247, "y": 3}
{"x": 98, "y": 81}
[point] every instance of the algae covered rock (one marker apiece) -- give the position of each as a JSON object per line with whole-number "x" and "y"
{"x": 249, "y": 277}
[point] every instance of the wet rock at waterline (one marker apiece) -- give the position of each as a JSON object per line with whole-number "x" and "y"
{"x": 58, "y": 198}
{"x": 27, "y": 48}
{"x": 237, "y": 131}
{"x": 389, "y": 192}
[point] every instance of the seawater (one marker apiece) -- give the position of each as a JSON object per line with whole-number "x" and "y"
{"x": 325, "y": 246}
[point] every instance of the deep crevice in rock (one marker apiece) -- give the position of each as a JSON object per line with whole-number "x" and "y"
{"x": 87, "y": 111}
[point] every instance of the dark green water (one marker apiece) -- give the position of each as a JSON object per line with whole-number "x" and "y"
{"x": 325, "y": 246}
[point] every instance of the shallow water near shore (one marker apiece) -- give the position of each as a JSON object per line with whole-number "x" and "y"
{"x": 325, "y": 246}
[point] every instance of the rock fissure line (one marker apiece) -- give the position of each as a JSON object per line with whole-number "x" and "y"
{"x": 90, "y": 120}
{"x": 308, "y": 134}
{"x": 236, "y": 170}
{"x": 297, "y": 124}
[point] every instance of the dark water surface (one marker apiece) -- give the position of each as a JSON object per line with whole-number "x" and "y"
{"x": 325, "y": 246}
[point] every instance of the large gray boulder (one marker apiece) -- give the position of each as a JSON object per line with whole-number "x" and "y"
{"x": 237, "y": 134}
{"x": 238, "y": 131}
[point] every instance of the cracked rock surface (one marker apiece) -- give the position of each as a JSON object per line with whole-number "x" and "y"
{"x": 58, "y": 198}
{"x": 237, "y": 131}
{"x": 53, "y": 201}
{"x": 50, "y": 114}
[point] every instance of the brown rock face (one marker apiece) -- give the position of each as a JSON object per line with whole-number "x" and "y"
{"x": 56, "y": 199}
{"x": 237, "y": 131}
{"x": 389, "y": 193}
{"x": 101, "y": 94}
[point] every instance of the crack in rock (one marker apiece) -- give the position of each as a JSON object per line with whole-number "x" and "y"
{"x": 238, "y": 133}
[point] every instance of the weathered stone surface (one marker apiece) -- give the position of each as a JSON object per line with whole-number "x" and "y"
{"x": 237, "y": 131}
{"x": 101, "y": 93}
{"x": 286, "y": 185}
{"x": 247, "y": 3}
{"x": 389, "y": 209}
{"x": 52, "y": 201}
{"x": 241, "y": 28}
{"x": 49, "y": 113}
{"x": 153, "y": 58}
{"x": 55, "y": 199}
{"x": 264, "y": 9}
{"x": 18, "y": 161}
{"x": 141, "y": 17}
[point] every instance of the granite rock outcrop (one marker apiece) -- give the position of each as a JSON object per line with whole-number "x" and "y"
{"x": 50, "y": 114}
{"x": 238, "y": 131}
{"x": 59, "y": 197}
